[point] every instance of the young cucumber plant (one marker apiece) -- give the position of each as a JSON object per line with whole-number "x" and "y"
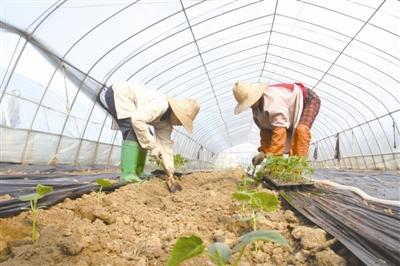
{"x": 245, "y": 182}
{"x": 41, "y": 191}
{"x": 256, "y": 201}
{"x": 219, "y": 253}
{"x": 103, "y": 183}
{"x": 290, "y": 169}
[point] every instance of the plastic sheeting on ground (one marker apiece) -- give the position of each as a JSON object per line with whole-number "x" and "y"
{"x": 64, "y": 185}
{"x": 20, "y": 179}
{"x": 370, "y": 230}
{"x": 379, "y": 184}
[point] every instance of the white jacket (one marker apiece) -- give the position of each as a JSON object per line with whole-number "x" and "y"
{"x": 145, "y": 107}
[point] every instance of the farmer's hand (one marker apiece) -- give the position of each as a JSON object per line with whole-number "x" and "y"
{"x": 173, "y": 185}
{"x": 258, "y": 158}
{"x": 157, "y": 153}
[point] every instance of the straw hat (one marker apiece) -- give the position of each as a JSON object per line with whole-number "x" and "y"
{"x": 247, "y": 94}
{"x": 185, "y": 110}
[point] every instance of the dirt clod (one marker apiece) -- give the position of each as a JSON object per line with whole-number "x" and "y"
{"x": 329, "y": 258}
{"x": 309, "y": 237}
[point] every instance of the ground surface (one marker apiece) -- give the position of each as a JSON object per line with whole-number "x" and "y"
{"x": 139, "y": 226}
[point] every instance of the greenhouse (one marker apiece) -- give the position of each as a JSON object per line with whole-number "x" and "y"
{"x": 200, "y": 132}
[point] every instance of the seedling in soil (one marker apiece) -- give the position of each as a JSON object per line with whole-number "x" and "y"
{"x": 290, "y": 169}
{"x": 41, "y": 191}
{"x": 103, "y": 183}
{"x": 179, "y": 161}
{"x": 219, "y": 253}
{"x": 245, "y": 182}
{"x": 257, "y": 201}
{"x": 186, "y": 248}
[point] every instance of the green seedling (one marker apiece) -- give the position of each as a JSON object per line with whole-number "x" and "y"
{"x": 290, "y": 169}
{"x": 263, "y": 235}
{"x": 179, "y": 161}
{"x": 103, "y": 183}
{"x": 41, "y": 191}
{"x": 245, "y": 182}
{"x": 219, "y": 253}
{"x": 256, "y": 201}
{"x": 186, "y": 248}
{"x": 244, "y": 198}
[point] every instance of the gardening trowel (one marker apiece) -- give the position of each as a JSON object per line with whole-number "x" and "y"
{"x": 173, "y": 186}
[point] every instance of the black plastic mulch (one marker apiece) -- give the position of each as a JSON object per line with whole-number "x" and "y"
{"x": 65, "y": 186}
{"x": 380, "y": 184}
{"x": 370, "y": 230}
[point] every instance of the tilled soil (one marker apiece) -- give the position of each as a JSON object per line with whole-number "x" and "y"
{"x": 138, "y": 225}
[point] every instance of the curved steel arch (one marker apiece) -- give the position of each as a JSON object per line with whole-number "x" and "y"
{"x": 313, "y": 77}
{"x": 349, "y": 81}
{"x": 27, "y": 37}
{"x": 88, "y": 119}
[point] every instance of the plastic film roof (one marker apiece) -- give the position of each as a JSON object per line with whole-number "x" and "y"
{"x": 346, "y": 51}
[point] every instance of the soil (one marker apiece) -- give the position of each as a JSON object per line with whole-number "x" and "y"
{"x": 138, "y": 225}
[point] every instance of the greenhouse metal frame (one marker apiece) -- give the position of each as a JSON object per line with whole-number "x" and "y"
{"x": 359, "y": 109}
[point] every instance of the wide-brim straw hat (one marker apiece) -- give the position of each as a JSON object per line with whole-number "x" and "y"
{"x": 185, "y": 110}
{"x": 247, "y": 94}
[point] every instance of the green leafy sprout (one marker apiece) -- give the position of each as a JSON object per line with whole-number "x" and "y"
{"x": 257, "y": 201}
{"x": 41, "y": 191}
{"x": 245, "y": 182}
{"x": 290, "y": 169}
{"x": 179, "y": 161}
{"x": 219, "y": 253}
{"x": 103, "y": 183}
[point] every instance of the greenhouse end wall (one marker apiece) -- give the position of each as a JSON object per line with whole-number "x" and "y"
{"x": 34, "y": 147}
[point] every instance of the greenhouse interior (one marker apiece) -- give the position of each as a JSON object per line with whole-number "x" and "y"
{"x": 194, "y": 132}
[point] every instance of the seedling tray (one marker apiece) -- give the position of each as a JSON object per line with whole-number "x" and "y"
{"x": 277, "y": 184}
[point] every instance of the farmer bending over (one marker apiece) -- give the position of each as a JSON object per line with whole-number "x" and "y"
{"x": 276, "y": 108}
{"x": 135, "y": 107}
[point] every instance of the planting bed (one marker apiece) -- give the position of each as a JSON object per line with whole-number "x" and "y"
{"x": 138, "y": 225}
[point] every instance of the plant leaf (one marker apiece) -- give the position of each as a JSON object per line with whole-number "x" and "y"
{"x": 43, "y": 190}
{"x": 185, "y": 248}
{"x": 247, "y": 180}
{"x": 220, "y": 253}
{"x": 265, "y": 235}
{"x": 242, "y": 196}
{"x": 266, "y": 201}
{"x": 29, "y": 197}
{"x": 104, "y": 182}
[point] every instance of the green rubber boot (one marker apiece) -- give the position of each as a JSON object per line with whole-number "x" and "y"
{"x": 129, "y": 158}
{"x": 141, "y": 161}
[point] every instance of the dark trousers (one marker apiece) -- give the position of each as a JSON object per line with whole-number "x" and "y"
{"x": 125, "y": 124}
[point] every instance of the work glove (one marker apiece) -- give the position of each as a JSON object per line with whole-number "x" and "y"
{"x": 258, "y": 158}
